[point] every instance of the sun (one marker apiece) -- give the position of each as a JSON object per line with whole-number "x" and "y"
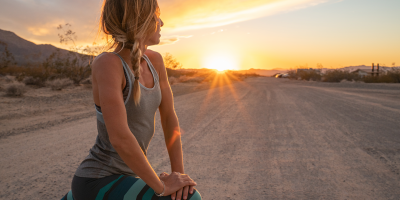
{"x": 221, "y": 62}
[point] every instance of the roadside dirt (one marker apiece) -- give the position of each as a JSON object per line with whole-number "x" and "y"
{"x": 263, "y": 138}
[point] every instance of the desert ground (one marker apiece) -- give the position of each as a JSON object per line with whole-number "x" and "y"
{"x": 262, "y": 138}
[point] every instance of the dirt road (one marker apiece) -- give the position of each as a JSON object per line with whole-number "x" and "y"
{"x": 264, "y": 138}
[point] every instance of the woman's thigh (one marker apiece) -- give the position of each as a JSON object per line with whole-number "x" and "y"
{"x": 116, "y": 187}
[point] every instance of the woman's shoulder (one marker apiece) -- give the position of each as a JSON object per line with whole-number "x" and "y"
{"x": 105, "y": 61}
{"x": 106, "y": 58}
{"x": 155, "y": 58}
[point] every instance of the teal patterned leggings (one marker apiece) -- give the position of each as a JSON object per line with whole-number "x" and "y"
{"x": 116, "y": 187}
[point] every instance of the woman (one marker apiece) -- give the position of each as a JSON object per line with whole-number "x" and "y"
{"x": 129, "y": 85}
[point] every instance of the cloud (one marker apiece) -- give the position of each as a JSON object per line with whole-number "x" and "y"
{"x": 172, "y": 39}
{"x": 193, "y": 14}
{"x": 37, "y": 20}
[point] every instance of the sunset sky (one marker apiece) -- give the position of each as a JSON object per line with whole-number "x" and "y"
{"x": 237, "y": 34}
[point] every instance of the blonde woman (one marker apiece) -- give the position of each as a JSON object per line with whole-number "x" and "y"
{"x": 129, "y": 85}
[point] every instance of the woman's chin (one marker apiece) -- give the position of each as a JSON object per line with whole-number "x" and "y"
{"x": 155, "y": 42}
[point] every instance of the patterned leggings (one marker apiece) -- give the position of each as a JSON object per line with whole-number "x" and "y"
{"x": 115, "y": 187}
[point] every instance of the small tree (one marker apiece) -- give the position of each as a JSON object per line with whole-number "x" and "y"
{"x": 171, "y": 62}
{"x": 6, "y": 57}
{"x": 76, "y": 64}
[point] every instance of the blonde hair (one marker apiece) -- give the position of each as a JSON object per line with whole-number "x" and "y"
{"x": 130, "y": 22}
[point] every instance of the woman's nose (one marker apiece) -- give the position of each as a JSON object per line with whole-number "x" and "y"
{"x": 162, "y": 23}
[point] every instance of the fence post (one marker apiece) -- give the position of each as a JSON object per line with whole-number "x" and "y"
{"x": 373, "y": 69}
{"x": 377, "y": 70}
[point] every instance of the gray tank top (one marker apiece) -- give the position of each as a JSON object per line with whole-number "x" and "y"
{"x": 103, "y": 160}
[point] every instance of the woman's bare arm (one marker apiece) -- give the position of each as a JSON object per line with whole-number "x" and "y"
{"x": 169, "y": 120}
{"x": 170, "y": 124}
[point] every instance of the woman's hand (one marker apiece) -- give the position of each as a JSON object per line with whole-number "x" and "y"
{"x": 177, "y": 183}
{"x": 183, "y": 193}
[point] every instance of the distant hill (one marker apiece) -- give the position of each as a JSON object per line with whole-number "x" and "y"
{"x": 25, "y": 51}
{"x": 264, "y": 72}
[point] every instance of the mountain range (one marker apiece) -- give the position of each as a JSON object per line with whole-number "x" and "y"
{"x": 25, "y": 51}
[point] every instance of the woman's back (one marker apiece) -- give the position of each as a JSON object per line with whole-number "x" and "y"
{"x": 103, "y": 160}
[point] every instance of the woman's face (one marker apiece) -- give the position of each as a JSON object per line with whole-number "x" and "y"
{"x": 154, "y": 39}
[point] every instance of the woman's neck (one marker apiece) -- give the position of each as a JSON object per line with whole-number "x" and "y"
{"x": 126, "y": 52}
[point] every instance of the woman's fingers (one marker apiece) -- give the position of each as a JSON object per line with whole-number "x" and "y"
{"x": 164, "y": 174}
{"x": 191, "y": 189}
{"x": 179, "y": 195}
{"x": 185, "y": 192}
{"x": 173, "y": 196}
{"x": 177, "y": 185}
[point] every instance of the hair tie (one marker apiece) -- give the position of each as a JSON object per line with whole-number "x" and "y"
{"x": 123, "y": 45}
{"x": 136, "y": 78}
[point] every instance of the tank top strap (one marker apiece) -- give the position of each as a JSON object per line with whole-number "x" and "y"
{"x": 129, "y": 76}
{"x": 152, "y": 69}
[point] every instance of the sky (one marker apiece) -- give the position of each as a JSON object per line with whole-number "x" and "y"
{"x": 236, "y": 34}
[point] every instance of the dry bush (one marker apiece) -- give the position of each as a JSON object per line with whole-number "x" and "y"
{"x": 171, "y": 62}
{"x": 183, "y": 79}
{"x": 87, "y": 83}
{"x": 172, "y": 80}
{"x": 34, "y": 75}
{"x": 8, "y": 79}
{"x": 292, "y": 74}
{"x": 196, "y": 79}
{"x": 15, "y": 89}
{"x": 392, "y": 76}
{"x": 187, "y": 79}
{"x": 73, "y": 66}
{"x": 33, "y": 81}
{"x": 59, "y": 84}
{"x": 310, "y": 75}
{"x": 337, "y": 75}
{"x": 238, "y": 76}
{"x": 6, "y": 57}
{"x": 179, "y": 73}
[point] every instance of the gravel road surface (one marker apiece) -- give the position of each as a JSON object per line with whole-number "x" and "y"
{"x": 263, "y": 138}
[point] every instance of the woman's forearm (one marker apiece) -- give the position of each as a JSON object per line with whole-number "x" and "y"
{"x": 131, "y": 153}
{"x": 172, "y": 136}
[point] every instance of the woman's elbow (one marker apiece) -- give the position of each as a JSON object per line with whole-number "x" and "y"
{"x": 118, "y": 142}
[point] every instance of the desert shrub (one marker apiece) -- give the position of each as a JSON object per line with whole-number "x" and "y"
{"x": 187, "y": 79}
{"x": 292, "y": 74}
{"x": 172, "y": 80}
{"x": 392, "y": 76}
{"x": 313, "y": 75}
{"x": 6, "y": 57}
{"x": 309, "y": 75}
{"x": 196, "y": 79}
{"x": 87, "y": 83}
{"x": 59, "y": 84}
{"x": 15, "y": 89}
{"x": 35, "y": 75}
{"x": 73, "y": 66}
{"x": 337, "y": 75}
{"x": 33, "y": 81}
{"x": 240, "y": 76}
{"x": 171, "y": 62}
{"x": 178, "y": 73}
{"x": 8, "y": 79}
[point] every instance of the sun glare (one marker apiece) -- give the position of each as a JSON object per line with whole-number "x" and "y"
{"x": 221, "y": 62}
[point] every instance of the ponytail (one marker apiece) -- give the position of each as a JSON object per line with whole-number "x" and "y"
{"x": 136, "y": 55}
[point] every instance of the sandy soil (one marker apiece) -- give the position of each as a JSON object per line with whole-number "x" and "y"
{"x": 263, "y": 138}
